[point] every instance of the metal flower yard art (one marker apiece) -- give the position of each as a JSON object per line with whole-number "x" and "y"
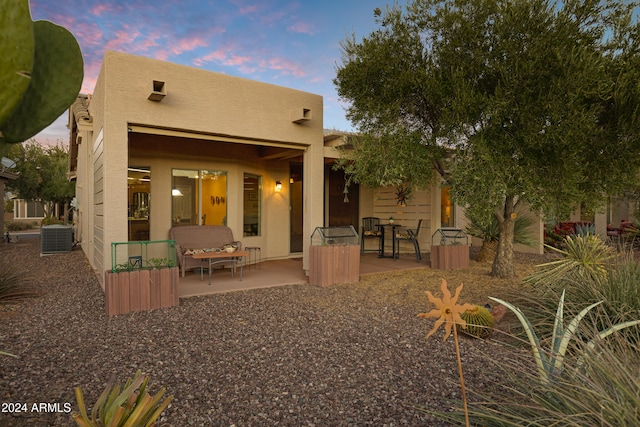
{"x": 448, "y": 312}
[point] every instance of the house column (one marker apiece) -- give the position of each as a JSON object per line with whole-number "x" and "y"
{"x": 313, "y": 197}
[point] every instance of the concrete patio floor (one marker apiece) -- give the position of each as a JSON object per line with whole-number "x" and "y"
{"x": 282, "y": 272}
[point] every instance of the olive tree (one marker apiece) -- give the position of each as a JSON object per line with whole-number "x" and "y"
{"x": 530, "y": 102}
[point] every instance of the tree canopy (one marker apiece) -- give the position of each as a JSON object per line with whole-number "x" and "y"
{"x": 42, "y": 173}
{"x": 530, "y": 102}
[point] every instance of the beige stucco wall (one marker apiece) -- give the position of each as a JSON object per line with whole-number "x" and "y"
{"x": 209, "y": 106}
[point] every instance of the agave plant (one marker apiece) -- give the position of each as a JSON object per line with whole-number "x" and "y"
{"x": 550, "y": 363}
{"x": 132, "y": 407}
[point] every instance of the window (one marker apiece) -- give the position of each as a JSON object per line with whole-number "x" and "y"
{"x": 446, "y": 208}
{"x": 35, "y": 209}
{"x": 199, "y": 197}
{"x": 252, "y": 204}
{"x": 139, "y": 190}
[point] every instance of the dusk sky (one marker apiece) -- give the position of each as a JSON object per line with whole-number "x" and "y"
{"x": 291, "y": 43}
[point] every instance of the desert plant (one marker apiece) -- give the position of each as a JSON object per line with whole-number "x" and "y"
{"x": 585, "y": 230}
{"x": 585, "y": 258}
{"x": 602, "y": 390}
{"x": 479, "y": 322}
{"x": 12, "y": 277}
{"x": 550, "y": 363}
{"x": 40, "y": 73}
{"x": 488, "y": 229}
{"x": 133, "y": 406}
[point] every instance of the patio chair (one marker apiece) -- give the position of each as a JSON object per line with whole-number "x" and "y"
{"x": 408, "y": 235}
{"x": 370, "y": 231}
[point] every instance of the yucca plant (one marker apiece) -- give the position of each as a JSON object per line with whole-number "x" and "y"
{"x": 585, "y": 258}
{"x": 131, "y": 407}
{"x": 488, "y": 229}
{"x": 550, "y": 362}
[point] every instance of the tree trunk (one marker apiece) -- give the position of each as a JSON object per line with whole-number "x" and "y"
{"x": 503, "y": 265}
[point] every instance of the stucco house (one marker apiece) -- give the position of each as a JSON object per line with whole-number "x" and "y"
{"x": 159, "y": 145}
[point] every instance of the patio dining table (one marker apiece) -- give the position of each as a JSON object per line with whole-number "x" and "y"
{"x": 383, "y": 229}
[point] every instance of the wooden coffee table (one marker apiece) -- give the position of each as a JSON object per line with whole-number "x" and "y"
{"x": 220, "y": 258}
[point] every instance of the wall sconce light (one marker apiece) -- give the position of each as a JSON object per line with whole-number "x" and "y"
{"x": 176, "y": 192}
{"x": 278, "y": 186}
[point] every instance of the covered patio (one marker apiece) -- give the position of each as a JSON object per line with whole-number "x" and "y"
{"x": 282, "y": 272}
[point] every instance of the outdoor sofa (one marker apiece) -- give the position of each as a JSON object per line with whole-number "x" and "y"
{"x": 191, "y": 239}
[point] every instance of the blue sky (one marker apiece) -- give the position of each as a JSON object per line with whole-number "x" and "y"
{"x": 292, "y": 43}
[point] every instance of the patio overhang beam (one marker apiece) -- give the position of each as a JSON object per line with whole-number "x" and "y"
{"x": 213, "y": 137}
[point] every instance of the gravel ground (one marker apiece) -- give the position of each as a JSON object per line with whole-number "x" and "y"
{"x": 349, "y": 355}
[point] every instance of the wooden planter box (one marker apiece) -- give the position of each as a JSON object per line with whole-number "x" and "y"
{"x": 334, "y": 264}
{"x": 449, "y": 257}
{"x": 140, "y": 290}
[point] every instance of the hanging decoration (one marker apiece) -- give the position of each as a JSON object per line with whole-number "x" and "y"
{"x": 403, "y": 193}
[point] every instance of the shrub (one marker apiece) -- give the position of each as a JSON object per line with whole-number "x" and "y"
{"x": 51, "y": 220}
{"x": 12, "y": 278}
{"x": 17, "y": 226}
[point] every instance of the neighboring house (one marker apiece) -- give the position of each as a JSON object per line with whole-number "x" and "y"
{"x": 33, "y": 210}
{"x": 160, "y": 145}
{"x": 5, "y": 176}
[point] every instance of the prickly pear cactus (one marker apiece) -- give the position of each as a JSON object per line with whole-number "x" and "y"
{"x": 52, "y": 65}
{"x": 17, "y": 45}
{"x": 479, "y": 320}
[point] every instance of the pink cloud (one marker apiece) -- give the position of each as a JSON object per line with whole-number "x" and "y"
{"x": 302, "y": 28}
{"x": 101, "y": 8}
{"x": 161, "y": 54}
{"x": 286, "y": 65}
{"x": 122, "y": 38}
{"x": 236, "y": 60}
{"x": 186, "y": 45}
{"x": 248, "y": 9}
{"x": 243, "y": 8}
{"x": 217, "y": 55}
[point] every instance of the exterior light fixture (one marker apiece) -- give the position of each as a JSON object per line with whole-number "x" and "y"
{"x": 346, "y": 194}
{"x": 176, "y": 192}
{"x": 278, "y": 186}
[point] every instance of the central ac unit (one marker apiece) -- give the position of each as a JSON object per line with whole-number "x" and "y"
{"x": 56, "y": 238}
